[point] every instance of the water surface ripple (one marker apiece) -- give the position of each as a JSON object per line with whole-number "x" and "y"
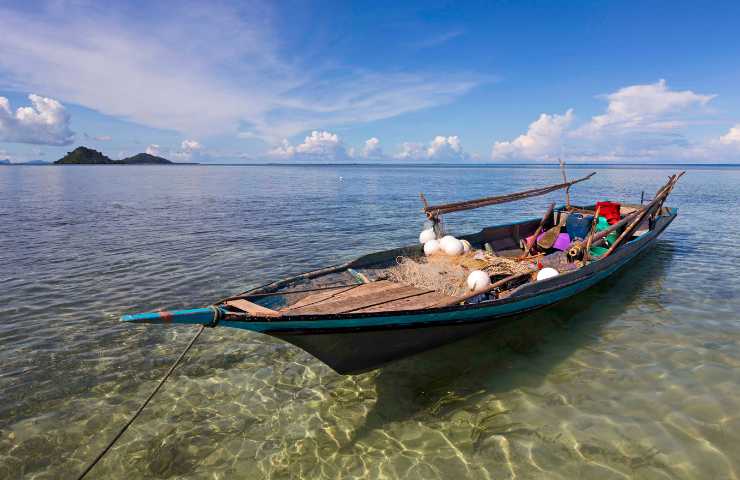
{"x": 638, "y": 378}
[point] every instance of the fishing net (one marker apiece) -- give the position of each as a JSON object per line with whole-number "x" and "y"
{"x": 448, "y": 274}
{"x": 445, "y": 278}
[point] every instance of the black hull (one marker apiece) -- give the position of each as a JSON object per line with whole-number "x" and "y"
{"x": 364, "y": 350}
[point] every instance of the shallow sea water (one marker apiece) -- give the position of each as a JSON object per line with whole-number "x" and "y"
{"x": 637, "y": 378}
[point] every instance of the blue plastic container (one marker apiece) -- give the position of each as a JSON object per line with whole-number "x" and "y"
{"x": 578, "y": 225}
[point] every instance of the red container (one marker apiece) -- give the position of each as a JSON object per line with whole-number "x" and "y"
{"x": 610, "y": 211}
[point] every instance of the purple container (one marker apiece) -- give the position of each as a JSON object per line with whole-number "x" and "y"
{"x": 562, "y": 242}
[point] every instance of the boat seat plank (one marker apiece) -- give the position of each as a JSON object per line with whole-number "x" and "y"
{"x": 417, "y": 302}
{"x": 252, "y": 308}
{"x": 366, "y": 295}
{"x": 318, "y": 297}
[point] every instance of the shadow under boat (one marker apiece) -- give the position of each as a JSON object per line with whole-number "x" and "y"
{"x": 480, "y": 365}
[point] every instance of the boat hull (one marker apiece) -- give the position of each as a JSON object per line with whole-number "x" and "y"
{"x": 354, "y": 343}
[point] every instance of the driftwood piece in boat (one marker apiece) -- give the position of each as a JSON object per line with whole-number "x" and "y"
{"x": 491, "y": 287}
{"x": 252, "y": 308}
{"x": 531, "y": 241}
{"x": 434, "y": 211}
{"x": 648, "y": 210}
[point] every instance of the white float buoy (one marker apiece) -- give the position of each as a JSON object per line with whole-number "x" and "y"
{"x": 431, "y": 247}
{"x": 447, "y": 238}
{"x": 453, "y": 247}
{"x": 466, "y": 246}
{"x": 426, "y": 235}
{"x": 546, "y": 273}
{"x": 478, "y": 280}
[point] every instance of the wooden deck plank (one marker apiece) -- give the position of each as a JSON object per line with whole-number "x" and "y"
{"x": 252, "y": 308}
{"x": 318, "y": 297}
{"x": 359, "y": 289}
{"x": 364, "y": 296}
{"x": 424, "y": 300}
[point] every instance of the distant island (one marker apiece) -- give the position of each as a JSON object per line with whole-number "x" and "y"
{"x": 88, "y": 156}
{"x": 5, "y": 162}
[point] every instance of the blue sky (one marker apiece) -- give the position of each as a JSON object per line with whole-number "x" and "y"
{"x": 372, "y": 81}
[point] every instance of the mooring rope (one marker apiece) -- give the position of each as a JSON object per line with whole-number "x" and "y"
{"x": 143, "y": 405}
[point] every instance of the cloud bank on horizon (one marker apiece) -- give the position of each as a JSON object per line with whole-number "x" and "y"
{"x": 228, "y": 74}
{"x": 646, "y": 122}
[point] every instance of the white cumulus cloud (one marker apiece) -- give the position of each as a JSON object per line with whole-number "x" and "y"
{"x": 732, "y": 137}
{"x": 542, "y": 141}
{"x": 644, "y": 108}
{"x": 372, "y": 148}
{"x": 641, "y": 122}
{"x": 154, "y": 150}
{"x": 45, "y": 122}
{"x": 329, "y": 147}
{"x": 441, "y": 148}
{"x": 190, "y": 145}
{"x": 318, "y": 146}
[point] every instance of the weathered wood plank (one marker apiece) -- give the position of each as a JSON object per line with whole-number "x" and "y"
{"x": 423, "y": 300}
{"x": 358, "y": 298}
{"x": 318, "y": 297}
{"x": 252, "y": 308}
{"x": 359, "y": 290}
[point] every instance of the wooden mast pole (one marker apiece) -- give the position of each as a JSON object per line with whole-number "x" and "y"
{"x": 565, "y": 180}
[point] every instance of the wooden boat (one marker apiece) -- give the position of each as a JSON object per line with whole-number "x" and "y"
{"x": 352, "y": 319}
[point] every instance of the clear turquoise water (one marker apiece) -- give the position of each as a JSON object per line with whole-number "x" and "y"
{"x": 638, "y": 378}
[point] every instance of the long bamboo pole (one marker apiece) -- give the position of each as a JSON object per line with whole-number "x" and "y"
{"x": 656, "y": 202}
{"x": 565, "y": 180}
{"x": 436, "y": 210}
{"x": 599, "y": 237}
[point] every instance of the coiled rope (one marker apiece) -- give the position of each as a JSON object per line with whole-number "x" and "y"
{"x": 143, "y": 405}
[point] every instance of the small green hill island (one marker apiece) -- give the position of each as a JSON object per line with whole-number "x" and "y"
{"x": 88, "y": 156}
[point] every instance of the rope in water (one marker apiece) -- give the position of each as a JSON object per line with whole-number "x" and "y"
{"x": 143, "y": 405}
